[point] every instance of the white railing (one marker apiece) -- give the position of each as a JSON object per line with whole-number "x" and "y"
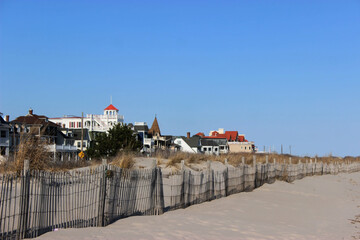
{"x": 61, "y": 148}
{"x": 97, "y": 128}
{"x": 4, "y": 141}
{"x": 241, "y": 143}
{"x": 105, "y": 117}
{"x": 148, "y": 141}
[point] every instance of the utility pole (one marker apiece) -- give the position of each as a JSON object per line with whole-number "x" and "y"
{"x": 290, "y": 149}
{"x": 82, "y": 130}
{"x": 281, "y": 149}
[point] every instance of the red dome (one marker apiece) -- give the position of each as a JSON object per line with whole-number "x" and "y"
{"x": 111, "y": 107}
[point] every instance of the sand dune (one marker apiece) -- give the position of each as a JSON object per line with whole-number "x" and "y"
{"x": 319, "y": 207}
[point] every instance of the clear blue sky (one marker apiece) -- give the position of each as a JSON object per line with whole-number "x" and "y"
{"x": 281, "y": 72}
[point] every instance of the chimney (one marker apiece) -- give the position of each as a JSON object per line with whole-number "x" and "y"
{"x": 30, "y": 111}
{"x": 188, "y": 134}
{"x": 7, "y": 117}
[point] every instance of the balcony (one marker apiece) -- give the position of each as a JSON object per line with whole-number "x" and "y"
{"x": 120, "y": 118}
{"x": 4, "y": 141}
{"x": 61, "y": 148}
{"x": 240, "y": 143}
{"x": 148, "y": 141}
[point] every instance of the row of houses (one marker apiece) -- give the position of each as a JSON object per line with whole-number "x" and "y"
{"x": 65, "y": 136}
{"x": 68, "y": 135}
{"x": 218, "y": 142}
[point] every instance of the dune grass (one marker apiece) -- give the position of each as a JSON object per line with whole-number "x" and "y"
{"x": 235, "y": 159}
{"x": 124, "y": 160}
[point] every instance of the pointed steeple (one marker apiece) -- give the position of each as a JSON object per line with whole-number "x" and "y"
{"x": 155, "y": 129}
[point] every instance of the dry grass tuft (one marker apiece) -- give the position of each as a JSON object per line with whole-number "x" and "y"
{"x": 124, "y": 160}
{"x": 35, "y": 150}
{"x": 176, "y": 158}
{"x": 196, "y": 158}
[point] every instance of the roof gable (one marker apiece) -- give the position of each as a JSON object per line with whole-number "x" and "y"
{"x": 231, "y": 135}
{"x": 193, "y": 142}
{"x": 33, "y": 119}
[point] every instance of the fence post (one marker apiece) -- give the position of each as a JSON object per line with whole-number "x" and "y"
{"x": 24, "y": 201}
{"x": 182, "y": 194}
{"x": 211, "y": 180}
{"x": 255, "y": 171}
{"x": 159, "y": 194}
{"x": 102, "y": 198}
{"x": 226, "y": 177}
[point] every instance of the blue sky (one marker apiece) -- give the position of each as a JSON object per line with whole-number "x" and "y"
{"x": 281, "y": 72}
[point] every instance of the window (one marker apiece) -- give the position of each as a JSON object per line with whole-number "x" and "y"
{"x": 3, "y": 134}
{"x": 221, "y": 147}
{"x": 215, "y": 149}
{"x": 204, "y": 149}
{"x": 79, "y": 144}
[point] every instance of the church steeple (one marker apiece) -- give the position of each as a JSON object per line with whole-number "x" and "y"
{"x": 155, "y": 129}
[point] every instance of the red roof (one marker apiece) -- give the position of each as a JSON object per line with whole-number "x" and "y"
{"x": 231, "y": 135}
{"x": 200, "y": 134}
{"x": 111, "y": 107}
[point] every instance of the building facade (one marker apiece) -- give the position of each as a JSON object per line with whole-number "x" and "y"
{"x": 92, "y": 122}
{"x": 4, "y": 138}
{"x": 40, "y": 126}
{"x": 142, "y": 130}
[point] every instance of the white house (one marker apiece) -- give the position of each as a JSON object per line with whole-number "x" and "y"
{"x": 187, "y": 144}
{"x": 4, "y": 138}
{"x": 214, "y": 146}
{"x": 92, "y": 122}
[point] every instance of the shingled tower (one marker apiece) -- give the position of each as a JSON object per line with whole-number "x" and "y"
{"x": 155, "y": 129}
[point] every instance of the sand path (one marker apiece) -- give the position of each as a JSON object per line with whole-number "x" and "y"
{"x": 319, "y": 207}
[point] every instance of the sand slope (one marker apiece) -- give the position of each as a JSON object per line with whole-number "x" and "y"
{"x": 319, "y": 207}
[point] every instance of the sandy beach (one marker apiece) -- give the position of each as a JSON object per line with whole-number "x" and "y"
{"x": 318, "y": 207}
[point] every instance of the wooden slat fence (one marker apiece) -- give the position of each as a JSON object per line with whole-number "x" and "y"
{"x": 36, "y": 202}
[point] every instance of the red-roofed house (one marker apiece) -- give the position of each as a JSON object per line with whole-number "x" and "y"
{"x": 236, "y": 142}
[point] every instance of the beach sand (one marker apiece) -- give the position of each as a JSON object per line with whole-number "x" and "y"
{"x": 318, "y": 207}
